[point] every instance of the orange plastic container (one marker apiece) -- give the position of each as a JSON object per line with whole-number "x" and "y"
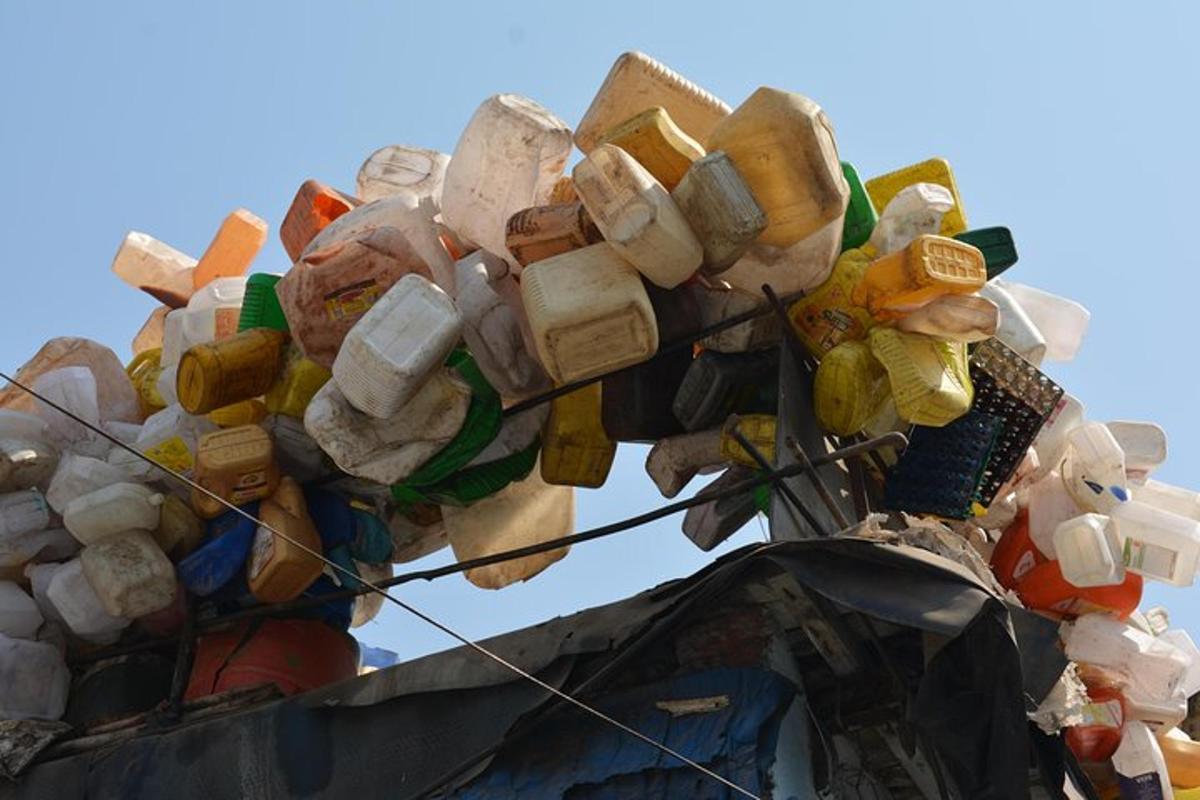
{"x": 930, "y": 267}
{"x": 1183, "y": 761}
{"x": 1044, "y": 589}
{"x": 229, "y": 254}
{"x": 1015, "y": 553}
{"x": 297, "y": 655}
{"x": 279, "y": 569}
{"x": 237, "y": 464}
{"x": 315, "y": 206}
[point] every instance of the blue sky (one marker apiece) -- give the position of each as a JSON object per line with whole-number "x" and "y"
{"x": 1072, "y": 124}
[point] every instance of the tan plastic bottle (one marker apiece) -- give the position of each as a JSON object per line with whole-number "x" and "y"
{"x": 278, "y": 569}
{"x": 236, "y": 464}
{"x": 784, "y": 148}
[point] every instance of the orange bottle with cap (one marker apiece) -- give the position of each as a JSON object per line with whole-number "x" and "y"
{"x": 930, "y": 267}
{"x": 279, "y": 568}
{"x": 237, "y": 465}
{"x": 219, "y": 374}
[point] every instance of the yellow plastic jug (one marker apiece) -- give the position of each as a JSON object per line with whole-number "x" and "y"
{"x": 929, "y": 378}
{"x": 228, "y": 371}
{"x": 827, "y": 317}
{"x": 783, "y": 146}
{"x": 236, "y": 464}
{"x": 143, "y": 371}
{"x": 657, "y": 143}
{"x": 278, "y": 570}
{"x": 848, "y": 388}
{"x": 929, "y": 268}
{"x": 299, "y": 381}
{"x": 936, "y": 170}
{"x": 759, "y": 430}
{"x": 246, "y": 412}
{"x": 576, "y": 451}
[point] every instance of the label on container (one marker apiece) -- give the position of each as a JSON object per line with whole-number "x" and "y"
{"x": 1149, "y": 559}
{"x": 261, "y": 553}
{"x": 172, "y": 454}
{"x": 1146, "y": 786}
{"x": 1026, "y": 562}
{"x": 352, "y": 301}
{"x": 1107, "y": 714}
{"x": 250, "y": 486}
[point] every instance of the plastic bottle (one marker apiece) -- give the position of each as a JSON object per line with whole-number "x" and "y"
{"x": 77, "y": 603}
{"x": 236, "y": 243}
{"x": 1141, "y": 770}
{"x": 929, "y": 268}
{"x": 279, "y": 569}
{"x": 711, "y": 523}
{"x": 390, "y": 352}
{"x": 1093, "y": 468}
{"x": 19, "y": 615}
{"x": 523, "y": 514}
{"x": 23, "y": 512}
{"x": 260, "y": 304}
{"x": 1044, "y": 589}
{"x": 1050, "y": 505}
{"x": 237, "y": 465}
{"x": 72, "y": 388}
{"x": 1089, "y": 551}
{"x": 637, "y": 216}
{"x": 589, "y": 313}
{"x": 314, "y": 207}
{"x": 1051, "y": 440}
{"x": 25, "y": 463}
{"x": 657, "y": 143}
{"x": 296, "y": 385}
{"x": 1158, "y": 544}
{"x": 672, "y": 462}
{"x": 798, "y": 268}
{"x": 936, "y": 170}
{"x": 1144, "y": 445}
{"x": 35, "y": 679}
{"x": 1063, "y": 322}
{"x": 400, "y": 169}
{"x": 242, "y": 367}
{"x": 508, "y": 158}
{"x": 129, "y": 574}
{"x": 717, "y": 384}
{"x": 156, "y": 268}
{"x": 388, "y": 451}
{"x": 848, "y": 388}
{"x": 115, "y": 395}
{"x": 576, "y": 450}
{"x": 826, "y": 316}
{"x": 1154, "y": 668}
{"x": 720, "y": 210}
{"x": 929, "y": 380}
{"x": 637, "y": 82}
{"x": 956, "y": 318}
{"x": 77, "y": 476}
{"x": 537, "y": 233}
{"x": 179, "y": 530}
{"x": 114, "y": 509}
{"x": 783, "y": 145}
{"x": 1166, "y": 497}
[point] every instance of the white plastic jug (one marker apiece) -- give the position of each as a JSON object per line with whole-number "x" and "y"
{"x": 637, "y": 216}
{"x": 23, "y": 512}
{"x": 19, "y": 615}
{"x": 1051, "y": 441}
{"x": 720, "y": 303}
{"x": 1063, "y": 322}
{"x": 1182, "y": 641}
{"x": 799, "y": 267}
{"x": 25, "y": 463}
{"x": 388, "y": 450}
{"x": 1166, "y": 497}
{"x": 77, "y": 476}
{"x": 1089, "y": 551}
{"x": 674, "y": 461}
{"x": 35, "y": 680}
{"x": 400, "y": 169}
{"x": 130, "y": 574}
{"x": 145, "y": 263}
{"x": 212, "y": 313}
{"x": 1154, "y": 668}
{"x": 170, "y": 437}
{"x": 1141, "y": 768}
{"x": 916, "y": 210}
{"x": 493, "y": 332}
{"x": 1050, "y": 505}
{"x": 517, "y": 433}
{"x": 508, "y": 158}
{"x": 1158, "y": 544}
{"x": 1093, "y": 468}
{"x": 390, "y": 353}
{"x": 114, "y": 509}
{"x": 1144, "y": 445}
{"x": 19, "y": 425}
{"x": 72, "y": 388}
{"x": 39, "y": 576}
{"x": 49, "y": 544}
{"x": 1016, "y": 328}
{"x": 955, "y": 318}
{"x": 77, "y": 604}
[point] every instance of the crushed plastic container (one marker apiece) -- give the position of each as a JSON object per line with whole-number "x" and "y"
{"x": 758, "y": 429}
{"x": 929, "y": 378}
{"x": 130, "y": 574}
{"x": 935, "y": 170}
{"x": 916, "y": 210}
{"x": 657, "y": 143}
{"x": 35, "y": 679}
{"x": 1144, "y": 445}
{"x": 116, "y": 508}
{"x": 242, "y": 367}
{"x": 238, "y": 465}
{"x": 797, "y": 268}
{"x": 115, "y": 395}
{"x": 720, "y": 209}
{"x": 48, "y": 544}
{"x": 848, "y": 388}
{"x": 929, "y": 268}
{"x": 589, "y": 313}
{"x": 72, "y": 388}
{"x": 211, "y": 314}
{"x": 390, "y": 353}
{"x": 1016, "y": 329}
{"x": 80, "y": 608}
{"x": 637, "y": 216}
{"x": 19, "y": 614}
{"x": 232, "y": 249}
{"x": 170, "y": 438}
{"x": 1158, "y": 544}
{"x": 156, "y": 268}
{"x": 576, "y": 450}
{"x": 313, "y": 208}
{"x": 1097, "y": 737}
{"x": 1093, "y": 468}
{"x": 1089, "y": 551}
{"x": 709, "y": 524}
{"x": 1063, "y": 322}
{"x": 279, "y": 568}
{"x": 509, "y": 157}
{"x": 783, "y": 146}
{"x": 826, "y": 316}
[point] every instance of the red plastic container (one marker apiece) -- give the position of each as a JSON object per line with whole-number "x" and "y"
{"x": 1044, "y": 589}
{"x": 294, "y": 654}
{"x": 1015, "y": 554}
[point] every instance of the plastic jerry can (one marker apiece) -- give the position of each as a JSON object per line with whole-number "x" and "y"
{"x": 150, "y": 335}
{"x": 53, "y": 544}
{"x": 237, "y": 242}
{"x": 860, "y": 214}
{"x": 1016, "y": 329}
{"x": 179, "y": 530}
{"x": 936, "y": 170}
{"x": 636, "y": 83}
{"x": 25, "y": 463}
{"x": 1015, "y": 554}
{"x": 759, "y": 430}
{"x": 80, "y": 608}
{"x": 800, "y": 267}
{"x": 237, "y": 465}
{"x": 637, "y": 216}
{"x": 538, "y": 233}
{"x": 130, "y": 574}
{"x": 1182, "y": 756}
{"x": 73, "y": 388}
{"x": 848, "y": 388}
{"x": 783, "y": 146}
{"x": 156, "y": 268}
{"x": 1049, "y": 504}
{"x": 279, "y": 569}
{"x": 576, "y": 450}
{"x": 23, "y": 512}
{"x": 588, "y": 312}
{"x": 1141, "y": 769}
{"x": 295, "y": 655}
{"x": 709, "y": 524}
{"x": 1158, "y": 544}
{"x": 211, "y": 314}
{"x": 244, "y": 412}
{"x": 929, "y": 379}
{"x": 260, "y": 304}
{"x": 1093, "y": 468}
{"x": 19, "y": 615}
{"x": 392, "y": 350}
{"x": 930, "y": 267}
{"x": 1089, "y": 551}
{"x": 296, "y": 385}
{"x": 170, "y": 438}
{"x": 525, "y": 513}
{"x": 242, "y": 367}
{"x": 1144, "y": 445}
{"x": 1166, "y": 497}
{"x": 35, "y": 679}
{"x": 916, "y": 210}
{"x": 113, "y": 509}
{"x": 1063, "y": 322}
{"x": 675, "y": 460}
{"x": 214, "y": 564}
{"x": 296, "y": 452}
{"x": 388, "y": 451}
{"x": 717, "y": 384}
{"x": 657, "y": 143}
{"x": 115, "y": 395}
{"x": 480, "y": 479}
{"x": 955, "y": 317}
{"x": 1044, "y": 589}
{"x": 1153, "y": 668}
{"x": 508, "y": 158}
{"x": 1051, "y": 440}
{"x": 492, "y": 331}
{"x": 996, "y": 244}
{"x": 719, "y": 303}
{"x": 402, "y": 170}
{"x": 314, "y": 207}
{"x": 826, "y": 317}
{"x": 77, "y": 476}
{"x": 720, "y": 209}
{"x": 516, "y": 433}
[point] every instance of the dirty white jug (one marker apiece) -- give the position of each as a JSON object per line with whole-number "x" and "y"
{"x": 114, "y": 509}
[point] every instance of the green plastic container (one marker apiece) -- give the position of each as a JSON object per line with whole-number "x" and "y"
{"x": 860, "y": 214}
{"x": 260, "y": 306}
{"x": 471, "y": 485}
{"x": 996, "y": 244}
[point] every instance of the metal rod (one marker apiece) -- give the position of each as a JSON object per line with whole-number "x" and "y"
{"x": 776, "y": 482}
{"x": 818, "y": 483}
